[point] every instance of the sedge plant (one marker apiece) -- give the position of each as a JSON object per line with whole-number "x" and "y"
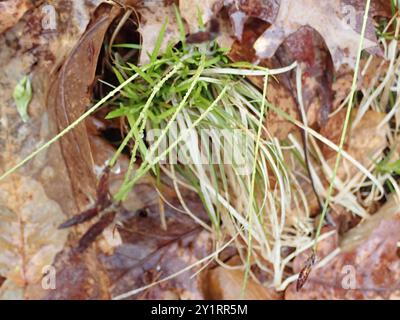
{"x": 196, "y": 122}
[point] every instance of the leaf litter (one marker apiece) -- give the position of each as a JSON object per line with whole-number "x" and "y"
{"x": 22, "y": 97}
{"x": 100, "y": 269}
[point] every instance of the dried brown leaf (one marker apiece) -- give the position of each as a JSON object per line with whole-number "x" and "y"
{"x": 367, "y": 266}
{"x": 149, "y": 254}
{"x": 362, "y": 149}
{"x": 305, "y": 272}
{"x": 227, "y": 284}
{"x": 330, "y": 19}
{"x": 145, "y": 253}
{"x": 29, "y": 238}
{"x": 70, "y": 95}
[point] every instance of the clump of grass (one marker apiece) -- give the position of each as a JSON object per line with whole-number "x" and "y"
{"x": 191, "y": 94}
{"x": 194, "y": 86}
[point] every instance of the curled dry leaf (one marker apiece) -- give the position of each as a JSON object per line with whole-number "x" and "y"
{"x": 69, "y": 97}
{"x": 317, "y": 76}
{"x": 308, "y": 48}
{"x": 367, "y": 266}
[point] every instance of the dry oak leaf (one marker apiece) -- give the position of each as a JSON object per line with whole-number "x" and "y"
{"x": 331, "y": 19}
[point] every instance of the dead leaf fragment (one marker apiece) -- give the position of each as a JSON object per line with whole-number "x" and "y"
{"x": 29, "y": 238}
{"x": 69, "y": 97}
{"x": 327, "y": 18}
{"x": 227, "y": 284}
{"x": 368, "y": 266}
{"x": 362, "y": 149}
{"x": 305, "y": 272}
{"x": 150, "y": 253}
